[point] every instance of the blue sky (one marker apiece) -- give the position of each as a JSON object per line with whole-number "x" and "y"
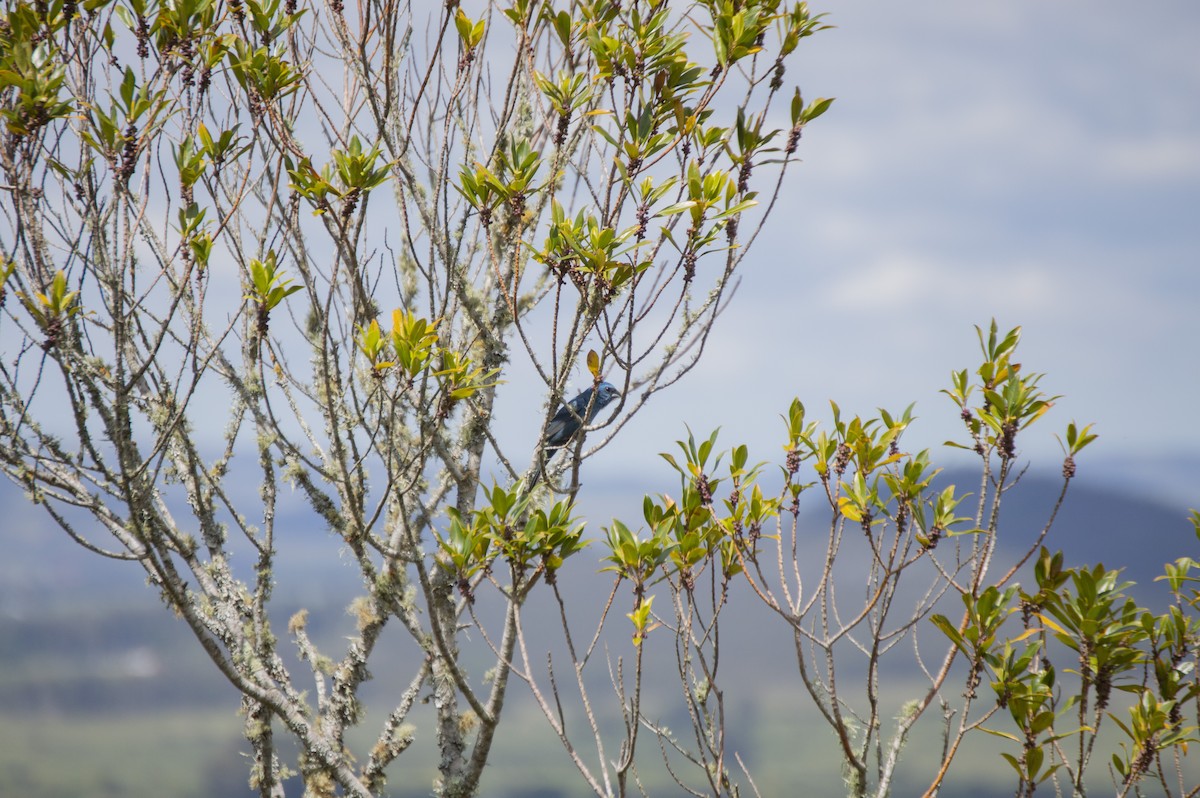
{"x": 1034, "y": 162}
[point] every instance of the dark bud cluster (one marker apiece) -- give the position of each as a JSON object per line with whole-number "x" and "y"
{"x": 564, "y": 127}
{"x": 793, "y": 140}
{"x": 643, "y": 221}
{"x": 255, "y": 106}
{"x": 1143, "y": 763}
{"x": 1068, "y": 467}
{"x": 973, "y": 680}
{"x": 744, "y": 173}
{"x": 128, "y": 154}
{"x": 445, "y": 406}
{"x": 54, "y": 330}
{"x": 516, "y": 206}
{"x": 1103, "y": 687}
{"x": 1175, "y": 716}
{"x": 966, "y": 416}
{"x": 1008, "y": 440}
{"x": 262, "y": 320}
{"x": 639, "y": 70}
{"x": 777, "y": 76}
{"x": 185, "y": 52}
{"x": 143, "y": 37}
{"x": 842, "y": 459}
{"x": 350, "y": 205}
{"x": 792, "y": 463}
{"x": 705, "y": 490}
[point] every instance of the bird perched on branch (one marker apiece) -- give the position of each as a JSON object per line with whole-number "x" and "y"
{"x": 571, "y": 416}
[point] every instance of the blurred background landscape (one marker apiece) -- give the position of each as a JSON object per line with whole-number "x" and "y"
{"x": 104, "y": 693}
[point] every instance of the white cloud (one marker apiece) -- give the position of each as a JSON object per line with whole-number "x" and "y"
{"x": 923, "y": 283}
{"x": 987, "y": 97}
{"x": 1162, "y": 157}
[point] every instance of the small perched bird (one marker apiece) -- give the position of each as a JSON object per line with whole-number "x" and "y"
{"x": 566, "y": 422}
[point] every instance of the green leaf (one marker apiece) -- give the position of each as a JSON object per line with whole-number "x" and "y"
{"x": 816, "y": 108}
{"x": 1033, "y": 762}
{"x": 998, "y": 733}
{"x": 950, "y": 631}
{"x": 849, "y": 509}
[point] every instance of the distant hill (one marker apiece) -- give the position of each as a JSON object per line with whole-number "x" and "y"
{"x": 48, "y": 581}
{"x": 1096, "y": 524}
{"x": 1102, "y": 520}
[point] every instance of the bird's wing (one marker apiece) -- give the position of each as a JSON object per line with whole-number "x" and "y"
{"x": 565, "y": 422}
{"x": 556, "y": 430}
{"x": 563, "y": 425}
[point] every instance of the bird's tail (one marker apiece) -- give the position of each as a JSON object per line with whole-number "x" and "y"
{"x": 534, "y": 478}
{"x": 539, "y": 469}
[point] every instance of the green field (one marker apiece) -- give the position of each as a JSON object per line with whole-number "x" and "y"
{"x": 119, "y": 701}
{"x": 199, "y": 754}
{"x": 180, "y": 754}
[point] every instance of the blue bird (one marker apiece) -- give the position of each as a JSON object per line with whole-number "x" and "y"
{"x": 566, "y": 422}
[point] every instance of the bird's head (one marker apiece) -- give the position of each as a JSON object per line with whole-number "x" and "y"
{"x": 605, "y": 393}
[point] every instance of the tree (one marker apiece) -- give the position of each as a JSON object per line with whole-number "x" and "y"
{"x": 340, "y": 237}
{"x": 333, "y": 233}
{"x": 896, "y": 565}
